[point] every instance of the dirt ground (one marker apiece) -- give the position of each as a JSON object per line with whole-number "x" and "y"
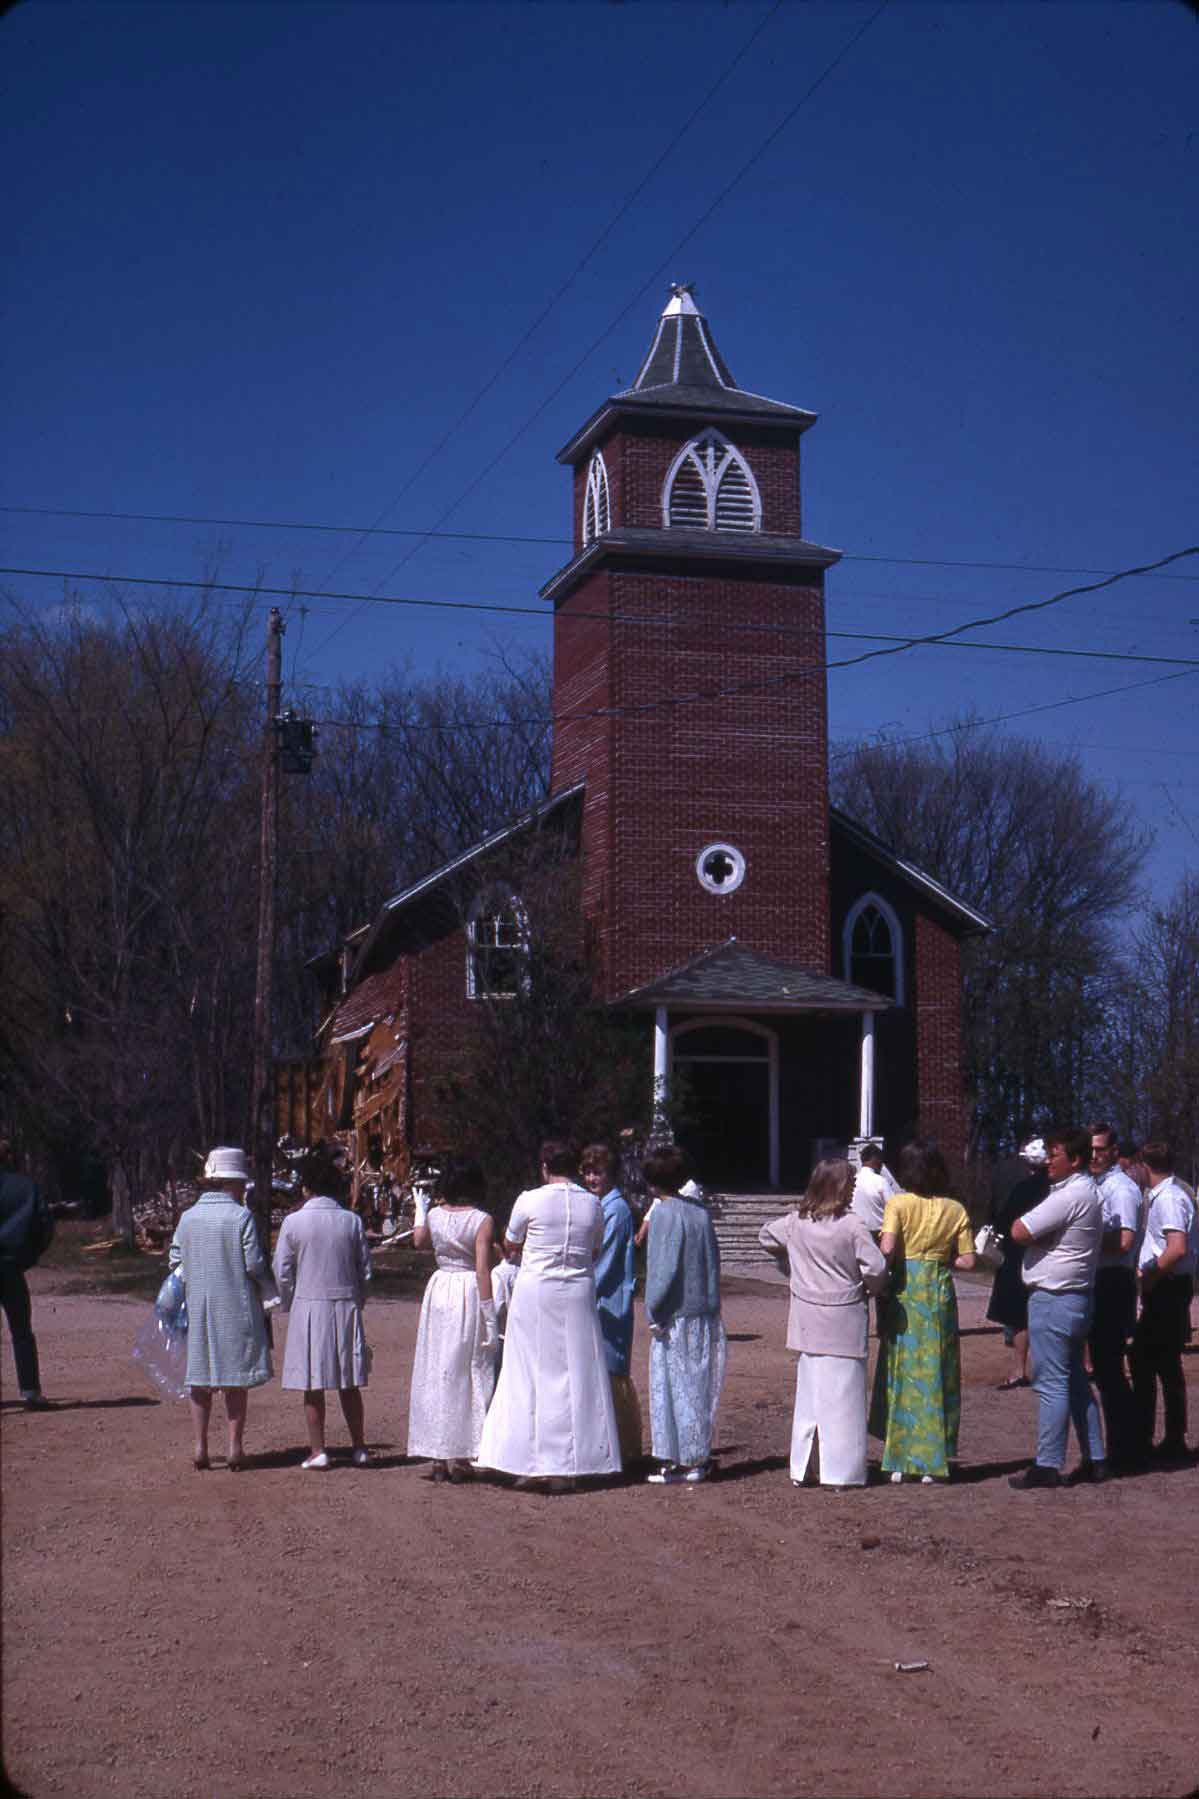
{"x": 277, "y": 1634}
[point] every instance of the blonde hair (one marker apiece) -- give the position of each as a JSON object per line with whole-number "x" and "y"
{"x": 830, "y": 1189}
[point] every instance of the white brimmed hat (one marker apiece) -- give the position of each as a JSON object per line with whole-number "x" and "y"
{"x": 227, "y": 1165}
{"x": 1034, "y": 1151}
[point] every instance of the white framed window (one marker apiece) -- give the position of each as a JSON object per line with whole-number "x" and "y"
{"x": 597, "y": 512}
{"x": 709, "y": 486}
{"x": 497, "y": 945}
{"x": 872, "y": 947}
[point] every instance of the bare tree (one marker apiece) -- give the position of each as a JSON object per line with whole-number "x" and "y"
{"x": 1020, "y": 832}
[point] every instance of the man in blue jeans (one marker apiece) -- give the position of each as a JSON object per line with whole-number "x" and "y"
{"x": 1063, "y": 1236}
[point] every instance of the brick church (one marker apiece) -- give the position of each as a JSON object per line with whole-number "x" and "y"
{"x": 799, "y": 977}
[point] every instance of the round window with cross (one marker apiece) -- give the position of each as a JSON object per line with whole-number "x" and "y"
{"x": 720, "y": 868}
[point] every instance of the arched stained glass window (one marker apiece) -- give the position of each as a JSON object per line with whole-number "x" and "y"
{"x": 497, "y": 945}
{"x": 709, "y": 487}
{"x": 597, "y": 514}
{"x": 872, "y": 942}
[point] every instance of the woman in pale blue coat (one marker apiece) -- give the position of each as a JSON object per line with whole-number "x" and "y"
{"x": 682, "y": 1305}
{"x": 216, "y": 1252}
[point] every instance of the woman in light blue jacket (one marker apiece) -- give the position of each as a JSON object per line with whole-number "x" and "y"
{"x": 682, "y": 1304}
{"x": 216, "y": 1252}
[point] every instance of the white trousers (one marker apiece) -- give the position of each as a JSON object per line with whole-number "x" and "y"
{"x": 830, "y": 1403}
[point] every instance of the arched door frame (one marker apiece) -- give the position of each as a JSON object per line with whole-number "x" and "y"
{"x": 733, "y": 1021}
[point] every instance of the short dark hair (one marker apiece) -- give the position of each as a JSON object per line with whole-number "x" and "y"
{"x": 597, "y": 1158}
{"x": 871, "y": 1152}
{"x": 921, "y": 1169}
{"x": 558, "y": 1156}
{"x": 1100, "y": 1129}
{"x": 665, "y": 1168}
{"x": 1158, "y": 1155}
{"x": 1129, "y": 1149}
{"x": 323, "y": 1171}
{"x": 1076, "y": 1143}
{"x": 462, "y": 1178}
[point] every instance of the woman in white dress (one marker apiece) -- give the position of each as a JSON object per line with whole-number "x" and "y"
{"x": 833, "y": 1262}
{"x": 322, "y": 1266}
{"x": 552, "y": 1417}
{"x": 453, "y": 1374}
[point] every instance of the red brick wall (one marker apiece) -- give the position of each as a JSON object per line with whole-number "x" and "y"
{"x": 441, "y": 1019}
{"x": 937, "y": 993}
{"x": 638, "y": 457}
{"x": 748, "y": 768}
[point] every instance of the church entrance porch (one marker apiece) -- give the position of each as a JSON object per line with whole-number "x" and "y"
{"x": 725, "y": 1081}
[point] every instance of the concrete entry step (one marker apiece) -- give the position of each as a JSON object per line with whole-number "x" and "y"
{"x": 738, "y": 1217}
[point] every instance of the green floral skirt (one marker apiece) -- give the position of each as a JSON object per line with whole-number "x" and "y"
{"x": 916, "y": 1406}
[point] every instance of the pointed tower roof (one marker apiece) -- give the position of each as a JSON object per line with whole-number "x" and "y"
{"x": 685, "y": 375}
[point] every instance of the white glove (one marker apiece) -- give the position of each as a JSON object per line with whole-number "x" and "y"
{"x": 491, "y": 1328}
{"x": 420, "y": 1200}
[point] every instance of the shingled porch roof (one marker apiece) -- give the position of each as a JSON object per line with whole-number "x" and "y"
{"x": 732, "y": 977}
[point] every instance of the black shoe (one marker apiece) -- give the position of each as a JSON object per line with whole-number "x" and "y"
{"x": 37, "y": 1402}
{"x": 1036, "y": 1476}
{"x": 1094, "y": 1473}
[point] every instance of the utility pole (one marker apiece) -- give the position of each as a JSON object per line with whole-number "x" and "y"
{"x": 268, "y": 855}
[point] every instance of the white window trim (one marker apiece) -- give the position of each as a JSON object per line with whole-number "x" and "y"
{"x": 710, "y": 475}
{"x": 893, "y": 925}
{"x": 486, "y": 901}
{"x": 597, "y": 487}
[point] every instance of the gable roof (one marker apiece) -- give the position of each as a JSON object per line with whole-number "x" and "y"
{"x": 968, "y": 920}
{"x": 732, "y": 977}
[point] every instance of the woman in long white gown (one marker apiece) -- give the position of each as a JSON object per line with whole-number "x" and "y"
{"x": 552, "y": 1417}
{"x": 453, "y": 1373}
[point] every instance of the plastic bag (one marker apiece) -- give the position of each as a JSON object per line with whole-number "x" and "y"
{"x": 161, "y": 1354}
{"x": 171, "y": 1304}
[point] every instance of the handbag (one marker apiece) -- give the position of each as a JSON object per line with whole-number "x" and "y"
{"x": 988, "y": 1246}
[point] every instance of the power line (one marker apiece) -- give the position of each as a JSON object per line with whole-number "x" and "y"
{"x": 940, "y": 640}
{"x": 1003, "y": 718}
{"x": 565, "y": 287}
{"x": 624, "y": 312}
{"x": 275, "y": 524}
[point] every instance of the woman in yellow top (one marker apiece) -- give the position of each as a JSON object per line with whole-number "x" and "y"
{"x": 917, "y": 1400}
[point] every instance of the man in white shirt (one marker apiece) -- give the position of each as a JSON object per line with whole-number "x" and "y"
{"x": 1167, "y": 1271}
{"x": 1063, "y": 1236}
{"x": 872, "y": 1189}
{"x": 1115, "y": 1313}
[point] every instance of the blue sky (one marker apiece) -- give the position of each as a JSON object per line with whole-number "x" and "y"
{"x": 263, "y": 258}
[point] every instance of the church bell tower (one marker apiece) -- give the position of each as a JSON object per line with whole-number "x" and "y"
{"x": 689, "y": 677}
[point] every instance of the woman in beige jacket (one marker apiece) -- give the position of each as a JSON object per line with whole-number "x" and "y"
{"x": 833, "y": 1264}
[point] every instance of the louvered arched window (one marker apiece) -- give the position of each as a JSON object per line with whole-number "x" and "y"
{"x": 872, "y": 944}
{"x": 597, "y": 517}
{"x": 709, "y": 487}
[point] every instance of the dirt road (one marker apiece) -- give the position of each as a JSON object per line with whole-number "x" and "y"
{"x": 277, "y": 1634}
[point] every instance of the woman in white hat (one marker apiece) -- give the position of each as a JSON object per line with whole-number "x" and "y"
{"x": 216, "y": 1252}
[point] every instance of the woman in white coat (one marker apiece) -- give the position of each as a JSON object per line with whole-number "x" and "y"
{"x": 457, "y": 1340}
{"x": 552, "y": 1417}
{"x": 834, "y": 1263}
{"x": 322, "y": 1266}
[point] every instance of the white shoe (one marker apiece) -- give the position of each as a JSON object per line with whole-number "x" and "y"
{"x": 694, "y": 1475}
{"x": 897, "y": 1477}
{"x": 316, "y": 1461}
{"x": 926, "y": 1480}
{"x": 666, "y": 1477}
{"x": 361, "y": 1458}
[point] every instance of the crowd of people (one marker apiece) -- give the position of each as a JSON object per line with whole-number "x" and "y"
{"x": 524, "y": 1340}
{"x": 522, "y": 1361}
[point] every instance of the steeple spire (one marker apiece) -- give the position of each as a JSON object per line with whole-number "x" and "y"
{"x": 683, "y": 353}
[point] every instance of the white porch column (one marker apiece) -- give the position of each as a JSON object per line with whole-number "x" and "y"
{"x": 661, "y": 1061}
{"x": 866, "y": 1095}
